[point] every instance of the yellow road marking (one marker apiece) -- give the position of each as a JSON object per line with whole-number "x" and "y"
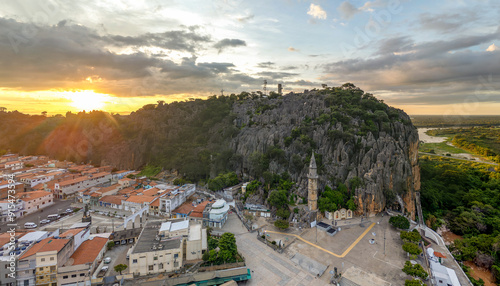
{"x": 326, "y": 250}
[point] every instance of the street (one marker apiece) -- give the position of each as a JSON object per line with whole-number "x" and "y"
{"x": 57, "y": 207}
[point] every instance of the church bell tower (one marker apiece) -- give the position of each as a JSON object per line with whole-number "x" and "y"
{"x": 312, "y": 185}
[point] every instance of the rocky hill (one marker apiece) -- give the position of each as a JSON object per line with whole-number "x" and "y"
{"x": 358, "y": 141}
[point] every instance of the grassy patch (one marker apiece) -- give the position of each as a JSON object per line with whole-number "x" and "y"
{"x": 441, "y": 148}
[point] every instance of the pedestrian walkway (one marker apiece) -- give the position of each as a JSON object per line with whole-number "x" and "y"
{"x": 325, "y": 250}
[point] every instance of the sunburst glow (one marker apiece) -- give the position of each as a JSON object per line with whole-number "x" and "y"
{"x": 88, "y": 100}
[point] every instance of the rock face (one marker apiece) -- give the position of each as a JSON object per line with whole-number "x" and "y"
{"x": 386, "y": 164}
{"x": 358, "y": 141}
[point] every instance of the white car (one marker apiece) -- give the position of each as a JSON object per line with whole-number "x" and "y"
{"x": 30, "y": 225}
{"x": 107, "y": 260}
{"x": 69, "y": 211}
{"x": 44, "y": 221}
{"x": 104, "y": 268}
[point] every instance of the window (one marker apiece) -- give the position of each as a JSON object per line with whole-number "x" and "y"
{"x": 52, "y": 258}
{"x": 150, "y": 267}
{"x": 52, "y": 268}
{"x": 82, "y": 274}
{"x": 65, "y": 277}
{"x": 43, "y": 259}
{"x": 73, "y": 276}
{"x": 134, "y": 261}
{"x": 155, "y": 258}
{"x": 160, "y": 266}
{"x": 26, "y": 282}
{"x": 41, "y": 268}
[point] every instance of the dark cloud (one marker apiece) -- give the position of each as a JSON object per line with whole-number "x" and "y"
{"x": 438, "y": 72}
{"x": 227, "y": 43}
{"x": 65, "y": 55}
{"x": 265, "y": 65}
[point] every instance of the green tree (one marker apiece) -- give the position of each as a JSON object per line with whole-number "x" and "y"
{"x": 110, "y": 245}
{"x": 400, "y": 222}
{"x": 227, "y": 246}
{"x": 281, "y": 224}
{"x": 412, "y": 248}
{"x": 414, "y": 282}
{"x": 120, "y": 268}
{"x": 278, "y": 199}
{"x": 410, "y": 236}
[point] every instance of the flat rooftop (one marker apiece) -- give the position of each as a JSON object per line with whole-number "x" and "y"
{"x": 147, "y": 241}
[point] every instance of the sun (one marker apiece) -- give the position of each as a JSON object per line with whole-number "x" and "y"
{"x": 88, "y": 100}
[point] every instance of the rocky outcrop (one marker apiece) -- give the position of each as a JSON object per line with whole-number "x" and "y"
{"x": 385, "y": 163}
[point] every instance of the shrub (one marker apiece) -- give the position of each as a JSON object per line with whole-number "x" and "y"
{"x": 415, "y": 270}
{"x": 411, "y": 236}
{"x": 414, "y": 282}
{"x": 412, "y": 248}
{"x": 400, "y": 222}
{"x": 281, "y": 224}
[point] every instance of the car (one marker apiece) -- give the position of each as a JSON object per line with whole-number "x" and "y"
{"x": 107, "y": 260}
{"x": 30, "y": 225}
{"x": 69, "y": 211}
{"x": 104, "y": 268}
{"x": 53, "y": 217}
{"x": 44, "y": 221}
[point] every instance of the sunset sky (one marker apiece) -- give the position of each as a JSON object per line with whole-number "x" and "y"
{"x": 426, "y": 57}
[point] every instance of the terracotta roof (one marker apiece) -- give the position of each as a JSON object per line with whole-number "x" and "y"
{"x": 151, "y": 192}
{"x": 128, "y": 190}
{"x": 110, "y": 188}
{"x": 439, "y": 254}
{"x": 140, "y": 199}
{"x": 28, "y": 196}
{"x": 72, "y": 232}
{"x": 198, "y": 210}
{"x": 48, "y": 244}
{"x": 88, "y": 250}
{"x": 185, "y": 208}
{"x": 156, "y": 203}
{"x": 125, "y": 179}
{"x": 117, "y": 200}
{"x": 73, "y": 181}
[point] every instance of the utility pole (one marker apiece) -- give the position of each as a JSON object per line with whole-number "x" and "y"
{"x": 384, "y": 241}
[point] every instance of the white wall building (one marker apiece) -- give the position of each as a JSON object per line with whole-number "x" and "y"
{"x": 218, "y": 214}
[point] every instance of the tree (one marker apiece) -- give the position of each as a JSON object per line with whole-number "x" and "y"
{"x": 278, "y": 199}
{"x": 414, "y": 282}
{"x": 415, "y": 270}
{"x": 110, "y": 245}
{"x": 400, "y": 222}
{"x": 281, "y": 224}
{"x": 120, "y": 268}
{"x": 411, "y": 236}
{"x": 227, "y": 246}
{"x": 412, "y": 248}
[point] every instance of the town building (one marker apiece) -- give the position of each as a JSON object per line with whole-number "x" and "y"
{"x": 218, "y": 213}
{"x": 79, "y": 268}
{"x": 153, "y": 254}
{"x": 36, "y": 200}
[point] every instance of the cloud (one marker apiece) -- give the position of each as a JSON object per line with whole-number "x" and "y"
{"x": 492, "y": 48}
{"x": 316, "y": 12}
{"x": 226, "y": 43}
{"x": 265, "y": 64}
{"x": 447, "y": 22}
{"x": 245, "y": 19}
{"x": 292, "y": 49}
{"x": 347, "y": 10}
{"x": 64, "y": 56}
{"x": 435, "y": 72}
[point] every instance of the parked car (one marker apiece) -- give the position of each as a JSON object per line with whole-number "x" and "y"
{"x": 30, "y": 225}
{"x": 69, "y": 211}
{"x": 44, "y": 221}
{"x": 107, "y": 260}
{"x": 53, "y": 217}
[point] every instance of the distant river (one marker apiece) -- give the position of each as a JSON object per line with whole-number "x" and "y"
{"x": 429, "y": 139}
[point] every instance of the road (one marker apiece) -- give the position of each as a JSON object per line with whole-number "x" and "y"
{"x": 57, "y": 206}
{"x": 455, "y": 158}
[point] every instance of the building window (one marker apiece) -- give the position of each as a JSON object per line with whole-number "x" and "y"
{"x": 160, "y": 266}
{"x": 82, "y": 274}
{"x": 52, "y": 268}
{"x": 73, "y": 276}
{"x": 134, "y": 261}
{"x": 65, "y": 277}
{"x": 52, "y": 258}
{"x": 155, "y": 258}
{"x": 150, "y": 267}
{"x": 41, "y": 268}
{"x": 43, "y": 259}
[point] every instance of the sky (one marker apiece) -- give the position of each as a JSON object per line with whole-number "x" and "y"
{"x": 425, "y": 57}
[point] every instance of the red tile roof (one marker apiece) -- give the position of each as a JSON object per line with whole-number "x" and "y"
{"x": 185, "y": 208}
{"x": 198, "y": 210}
{"x": 28, "y": 196}
{"x": 117, "y": 200}
{"x": 71, "y": 232}
{"x": 140, "y": 199}
{"x": 439, "y": 254}
{"x": 88, "y": 251}
{"x": 48, "y": 244}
